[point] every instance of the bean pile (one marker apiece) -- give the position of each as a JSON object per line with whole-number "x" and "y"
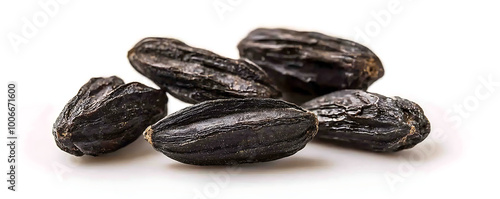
{"x": 287, "y": 88}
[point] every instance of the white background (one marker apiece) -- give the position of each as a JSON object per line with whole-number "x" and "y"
{"x": 438, "y": 54}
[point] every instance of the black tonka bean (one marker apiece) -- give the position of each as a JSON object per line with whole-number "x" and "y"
{"x": 233, "y": 131}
